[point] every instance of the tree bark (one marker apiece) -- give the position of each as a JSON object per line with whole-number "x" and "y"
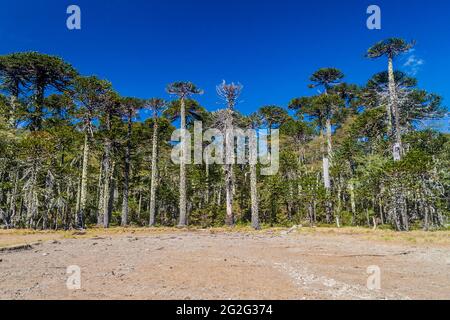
{"x": 126, "y": 175}
{"x": 49, "y": 184}
{"x": 327, "y": 184}
{"x": 106, "y": 183}
{"x": 12, "y": 204}
{"x": 183, "y": 216}
{"x": 351, "y": 188}
{"x": 253, "y": 180}
{"x": 392, "y": 94}
{"x": 112, "y": 191}
{"x": 329, "y": 145}
{"x": 100, "y": 192}
{"x": 229, "y": 151}
{"x": 32, "y": 200}
{"x": 84, "y": 182}
{"x": 154, "y": 172}
{"x": 326, "y": 171}
{"x": 394, "y": 109}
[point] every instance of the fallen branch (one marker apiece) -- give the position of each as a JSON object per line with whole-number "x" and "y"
{"x": 18, "y": 247}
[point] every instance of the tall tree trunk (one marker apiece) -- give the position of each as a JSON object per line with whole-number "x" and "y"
{"x": 326, "y": 173}
{"x": 183, "y": 216}
{"x": 404, "y": 210}
{"x": 126, "y": 175}
{"x": 254, "y": 197}
{"x": 392, "y": 94}
{"x": 207, "y": 191}
{"x": 229, "y": 220}
{"x": 32, "y": 200}
{"x": 112, "y": 191}
{"x": 329, "y": 145}
{"x": 139, "y": 206}
{"x": 327, "y": 184}
{"x": 100, "y": 192}
{"x": 380, "y": 204}
{"x": 253, "y": 180}
{"x": 154, "y": 172}
{"x": 84, "y": 181}
{"x": 426, "y": 225}
{"x": 351, "y": 188}
{"x": 106, "y": 183}
{"x": 12, "y": 113}
{"x": 229, "y": 152}
{"x": 12, "y": 204}
{"x": 395, "y": 112}
{"x": 49, "y": 184}
{"x": 310, "y": 214}
{"x": 397, "y": 150}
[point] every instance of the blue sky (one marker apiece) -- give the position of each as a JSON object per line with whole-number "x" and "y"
{"x": 271, "y": 47}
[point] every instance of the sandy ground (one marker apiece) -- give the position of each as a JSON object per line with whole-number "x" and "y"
{"x": 222, "y": 265}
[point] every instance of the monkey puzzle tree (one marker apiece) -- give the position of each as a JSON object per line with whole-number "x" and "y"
{"x": 183, "y": 90}
{"x": 273, "y": 116}
{"x": 254, "y": 122}
{"x": 13, "y": 79}
{"x": 109, "y": 110}
{"x": 130, "y": 106}
{"x": 155, "y": 105}
{"x": 193, "y": 111}
{"x": 391, "y": 48}
{"x": 43, "y": 72}
{"x": 415, "y": 104}
{"x": 327, "y": 78}
{"x": 325, "y": 107}
{"x": 229, "y": 92}
{"x": 88, "y": 95}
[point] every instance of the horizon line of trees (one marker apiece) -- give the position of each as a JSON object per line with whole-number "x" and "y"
{"x": 73, "y": 154}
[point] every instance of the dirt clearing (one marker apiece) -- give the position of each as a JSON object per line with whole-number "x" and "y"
{"x": 207, "y": 264}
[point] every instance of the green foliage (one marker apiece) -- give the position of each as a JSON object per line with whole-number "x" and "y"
{"x": 390, "y": 47}
{"x": 43, "y": 133}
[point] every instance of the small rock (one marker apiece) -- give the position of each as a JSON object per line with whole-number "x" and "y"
{"x": 45, "y": 254}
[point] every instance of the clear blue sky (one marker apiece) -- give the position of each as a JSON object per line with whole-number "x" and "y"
{"x": 271, "y": 47}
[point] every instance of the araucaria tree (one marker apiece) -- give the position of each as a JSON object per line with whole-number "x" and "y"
{"x": 88, "y": 95}
{"x": 130, "y": 106}
{"x": 13, "y": 77}
{"x": 391, "y": 48}
{"x": 183, "y": 90}
{"x": 325, "y": 106}
{"x": 229, "y": 93}
{"x": 74, "y": 153}
{"x": 254, "y": 123}
{"x": 109, "y": 112}
{"x": 156, "y": 106}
